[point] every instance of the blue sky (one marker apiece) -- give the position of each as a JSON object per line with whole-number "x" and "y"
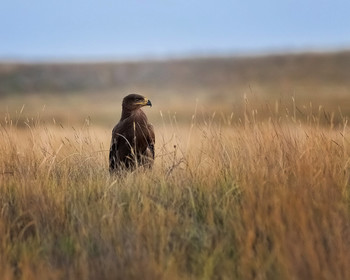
{"x": 51, "y": 29}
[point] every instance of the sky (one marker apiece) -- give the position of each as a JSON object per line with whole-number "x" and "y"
{"x": 110, "y": 29}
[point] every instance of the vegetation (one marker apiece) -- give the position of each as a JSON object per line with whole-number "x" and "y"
{"x": 240, "y": 189}
{"x": 251, "y": 200}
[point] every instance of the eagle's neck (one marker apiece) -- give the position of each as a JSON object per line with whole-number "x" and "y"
{"x": 126, "y": 113}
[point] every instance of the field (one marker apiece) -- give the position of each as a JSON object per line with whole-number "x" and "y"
{"x": 251, "y": 177}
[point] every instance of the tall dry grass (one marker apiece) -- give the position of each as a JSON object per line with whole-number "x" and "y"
{"x": 244, "y": 199}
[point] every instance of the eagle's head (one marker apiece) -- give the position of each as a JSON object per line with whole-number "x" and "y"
{"x": 135, "y": 101}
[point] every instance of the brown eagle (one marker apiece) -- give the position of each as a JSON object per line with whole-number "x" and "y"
{"x": 133, "y": 137}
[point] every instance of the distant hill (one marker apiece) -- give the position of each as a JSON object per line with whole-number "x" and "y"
{"x": 209, "y": 73}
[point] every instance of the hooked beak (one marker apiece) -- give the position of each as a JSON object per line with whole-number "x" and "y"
{"x": 145, "y": 102}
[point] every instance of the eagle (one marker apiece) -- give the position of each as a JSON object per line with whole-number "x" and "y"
{"x": 133, "y": 137}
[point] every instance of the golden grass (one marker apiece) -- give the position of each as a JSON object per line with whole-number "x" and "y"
{"x": 246, "y": 199}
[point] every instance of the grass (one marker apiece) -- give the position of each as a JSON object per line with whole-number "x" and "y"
{"x": 250, "y": 198}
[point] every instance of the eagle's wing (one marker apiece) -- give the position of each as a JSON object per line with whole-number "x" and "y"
{"x": 113, "y": 150}
{"x": 120, "y": 148}
{"x": 151, "y": 138}
{"x": 120, "y": 152}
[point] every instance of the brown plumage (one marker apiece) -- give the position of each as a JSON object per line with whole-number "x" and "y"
{"x": 133, "y": 137}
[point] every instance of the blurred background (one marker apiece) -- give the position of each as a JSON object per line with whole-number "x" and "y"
{"x": 68, "y": 61}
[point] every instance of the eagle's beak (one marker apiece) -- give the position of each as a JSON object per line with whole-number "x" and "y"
{"x": 145, "y": 102}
